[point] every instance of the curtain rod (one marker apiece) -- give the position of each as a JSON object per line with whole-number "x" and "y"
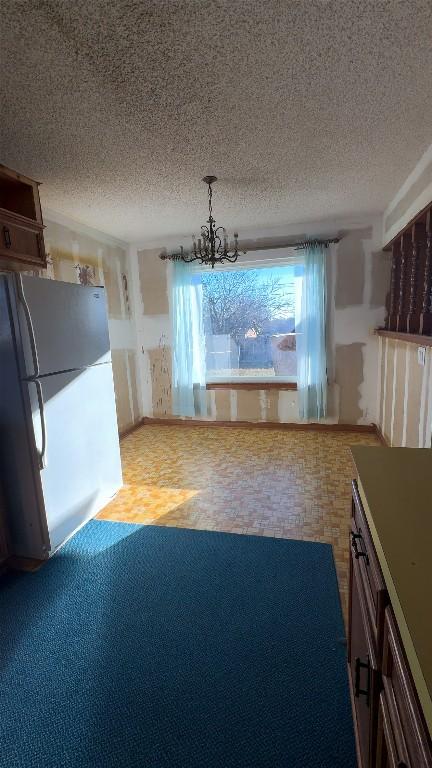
{"x": 305, "y": 243}
{"x": 298, "y": 246}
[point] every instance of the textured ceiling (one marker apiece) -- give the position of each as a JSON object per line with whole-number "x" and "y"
{"x": 305, "y": 109}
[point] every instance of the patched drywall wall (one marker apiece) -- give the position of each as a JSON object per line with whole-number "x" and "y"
{"x": 358, "y": 275}
{"x": 160, "y": 371}
{"x": 221, "y": 404}
{"x": 349, "y": 375}
{"x": 153, "y": 283}
{"x": 379, "y": 280}
{"x": 350, "y": 268}
{"x": 352, "y": 318}
{"x": 249, "y": 405}
{"x": 121, "y": 387}
{"x": 404, "y": 394}
{"x": 77, "y": 253}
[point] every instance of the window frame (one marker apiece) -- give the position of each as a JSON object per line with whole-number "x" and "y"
{"x": 287, "y": 257}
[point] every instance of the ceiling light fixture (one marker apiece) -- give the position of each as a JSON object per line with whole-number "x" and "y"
{"x": 212, "y": 247}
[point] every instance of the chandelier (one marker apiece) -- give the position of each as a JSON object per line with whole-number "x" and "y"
{"x": 212, "y": 247}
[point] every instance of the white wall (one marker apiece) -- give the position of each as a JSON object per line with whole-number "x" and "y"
{"x": 358, "y": 279}
{"x": 70, "y": 244}
{"x": 414, "y": 195}
{"x": 404, "y": 394}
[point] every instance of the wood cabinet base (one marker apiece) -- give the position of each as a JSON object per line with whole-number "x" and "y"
{"x": 388, "y": 720}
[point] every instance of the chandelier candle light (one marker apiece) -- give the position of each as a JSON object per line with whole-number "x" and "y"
{"x": 212, "y": 247}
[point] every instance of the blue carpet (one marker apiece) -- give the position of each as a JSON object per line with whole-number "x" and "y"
{"x": 157, "y": 647}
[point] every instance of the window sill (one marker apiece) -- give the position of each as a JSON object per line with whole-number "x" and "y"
{"x": 292, "y": 385}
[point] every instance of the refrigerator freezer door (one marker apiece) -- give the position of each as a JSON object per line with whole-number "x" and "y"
{"x": 82, "y": 469}
{"x": 18, "y": 457}
{"x": 68, "y": 322}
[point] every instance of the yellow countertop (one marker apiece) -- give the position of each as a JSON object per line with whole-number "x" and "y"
{"x": 395, "y": 485}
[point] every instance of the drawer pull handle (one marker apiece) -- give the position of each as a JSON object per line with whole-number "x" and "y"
{"x": 359, "y": 665}
{"x": 358, "y": 552}
{"x": 7, "y": 237}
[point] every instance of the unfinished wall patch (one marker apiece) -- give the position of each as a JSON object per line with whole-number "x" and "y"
{"x": 153, "y": 281}
{"x": 349, "y": 376}
{"x": 288, "y": 406}
{"x": 248, "y": 405}
{"x": 272, "y": 405}
{"x": 160, "y": 367}
{"x": 121, "y": 387}
{"x": 380, "y": 278}
{"x": 113, "y": 287}
{"x": 131, "y": 356}
{"x": 222, "y": 404}
{"x": 350, "y": 268}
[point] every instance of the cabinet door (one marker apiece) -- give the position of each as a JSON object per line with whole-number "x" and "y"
{"x": 22, "y": 242}
{"x": 413, "y": 745}
{"x": 363, "y": 670}
{"x": 386, "y": 753}
{"x": 363, "y": 550}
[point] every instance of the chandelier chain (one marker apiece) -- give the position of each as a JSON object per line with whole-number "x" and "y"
{"x": 210, "y": 193}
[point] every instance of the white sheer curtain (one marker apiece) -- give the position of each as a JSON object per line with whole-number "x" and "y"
{"x": 188, "y": 347}
{"x": 311, "y": 339}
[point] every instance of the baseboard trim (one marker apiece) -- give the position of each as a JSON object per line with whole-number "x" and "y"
{"x": 381, "y": 437}
{"x": 125, "y": 432}
{"x": 316, "y": 426}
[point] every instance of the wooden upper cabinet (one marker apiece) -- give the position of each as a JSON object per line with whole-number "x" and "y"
{"x": 410, "y": 305}
{"x": 21, "y": 224}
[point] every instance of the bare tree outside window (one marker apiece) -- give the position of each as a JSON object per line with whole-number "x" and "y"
{"x": 249, "y": 322}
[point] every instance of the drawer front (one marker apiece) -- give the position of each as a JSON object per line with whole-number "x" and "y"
{"x": 19, "y": 242}
{"x": 410, "y": 733}
{"x": 363, "y": 551}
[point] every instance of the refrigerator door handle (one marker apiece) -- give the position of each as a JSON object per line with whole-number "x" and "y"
{"x": 30, "y": 328}
{"x": 42, "y": 452}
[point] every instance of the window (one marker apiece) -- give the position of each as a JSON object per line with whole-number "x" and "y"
{"x": 249, "y": 320}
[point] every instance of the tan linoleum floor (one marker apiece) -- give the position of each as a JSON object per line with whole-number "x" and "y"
{"x": 293, "y": 484}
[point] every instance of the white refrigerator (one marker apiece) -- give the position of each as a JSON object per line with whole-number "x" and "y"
{"x": 59, "y": 447}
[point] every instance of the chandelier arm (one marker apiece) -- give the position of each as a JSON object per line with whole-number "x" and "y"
{"x": 187, "y": 258}
{"x": 219, "y": 248}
